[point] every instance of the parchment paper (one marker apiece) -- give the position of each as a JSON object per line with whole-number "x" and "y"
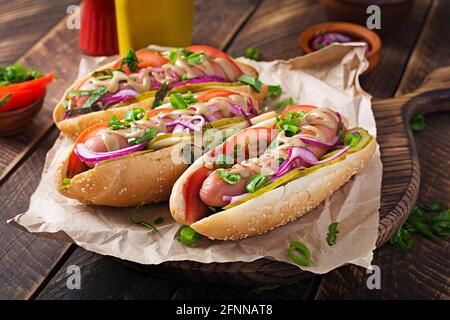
{"x": 329, "y": 78}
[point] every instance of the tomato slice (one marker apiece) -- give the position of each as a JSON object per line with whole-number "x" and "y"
{"x": 147, "y": 58}
{"x": 216, "y": 53}
{"x": 195, "y": 209}
{"x": 75, "y": 165}
{"x": 297, "y": 108}
{"x": 214, "y": 93}
{"x": 154, "y": 112}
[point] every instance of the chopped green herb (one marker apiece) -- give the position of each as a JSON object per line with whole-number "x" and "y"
{"x": 402, "y": 238}
{"x": 422, "y": 222}
{"x": 116, "y": 124}
{"x": 16, "y": 73}
{"x": 177, "y": 101}
{"x": 288, "y": 102}
{"x": 332, "y": 233}
{"x": 352, "y": 139}
{"x": 224, "y": 161}
{"x": 65, "y": 181}
{"x": 160, "y": 95}
{"x": 274, "y": 91}
{"x": 188, "y": 56}
{"x": 184, "y": 77}
{"x": 188, "y": 236}
{"x": 189, "y": 98}
{"x": 227, "y": 176}
{"x": 297, "y": 247}
{"x": 267, "y": 287}
{"x": 252, "y": 53}
{"x": 131, "y": 61}
{"x": 256, "y": 182}
{"x": 417, "y": 123}
{"x": 135, "y": 114}
{"x": 79, "y": 93}
{"x": 5, "y": 99}
{"x": 252, "y": 82}
{"x": 142, "y": 222}
{"x": 158, "y": 220}
{"x": 290, "y": 123}
{"x": 97, "y": 94}
{"x": 433, "y": 206}
{"x": 441, "y": 223}
{"x": 149, "y": 134}
{"x": 196, "y": 58}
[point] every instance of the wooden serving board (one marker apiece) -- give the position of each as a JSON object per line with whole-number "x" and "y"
{"x": 399, "y": 190}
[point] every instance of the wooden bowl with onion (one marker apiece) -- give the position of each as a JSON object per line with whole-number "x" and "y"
{"x": 15, "y": 121}
{"x": 353, "y": 31}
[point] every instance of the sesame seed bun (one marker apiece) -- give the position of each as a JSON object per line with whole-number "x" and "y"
{"x": 273, "y": 208}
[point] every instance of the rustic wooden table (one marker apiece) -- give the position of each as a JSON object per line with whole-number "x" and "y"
{"x": 35, "y": 33}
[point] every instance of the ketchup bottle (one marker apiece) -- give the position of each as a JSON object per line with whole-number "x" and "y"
{"x": 98, "y": 35}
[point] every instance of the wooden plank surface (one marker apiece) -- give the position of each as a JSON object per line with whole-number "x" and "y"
{"x": 423, "y": 272}
{"x": 276, "y": 26}
{"x": 273, "y": 28}
{"x": 104, "y": 278}
{"x": 23, "y": 22}
{"x": 25, "y": 260}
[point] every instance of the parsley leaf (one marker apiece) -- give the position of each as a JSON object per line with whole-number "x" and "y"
{"x": 149, "y": 134}
{"x": 288, "y": 102}
{"x": 274, "y": 91}
{"x": 252, "y": 53}
{"x": 160, "y": 95}
{"x": 252, "y": 82}
{"x": 131, "y": 61}
{"x": 417, "y": 123}
{"x": 227, "y": 176}
{"x": 141, "y": 222}
{"x": 16, "y": 73}
{"x": 332, "y": 233}
{"x": 116, "y": 124}
{"x": 96, "y": 95}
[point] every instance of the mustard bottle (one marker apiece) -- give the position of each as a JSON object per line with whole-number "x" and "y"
{"x": 161, "y": 22}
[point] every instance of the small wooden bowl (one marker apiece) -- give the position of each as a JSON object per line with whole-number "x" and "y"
{"x": 12, "y": 122}
{"x": 350, "y": 29}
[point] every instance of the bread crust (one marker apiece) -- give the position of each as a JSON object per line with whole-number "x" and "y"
{"x": 136, "y": 179}
{"x": 276, "y": 207}
{"x": 74, "y": 126}
{"x": 130, "y": 181}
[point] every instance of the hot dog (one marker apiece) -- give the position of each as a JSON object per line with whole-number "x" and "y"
{"x": 134, "y": 81}
{"x": 129, "y": 162}
{"x": 310, "y": 156}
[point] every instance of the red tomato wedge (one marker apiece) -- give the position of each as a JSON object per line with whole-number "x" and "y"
{"x": 75, "y": 165}
{"x": 195, "y": 209}
{"x": 216, "y": 53}
{"x": 214, "y": 93}
{"x": 147, "y": 58}
{"x": 154, "y": 112}
{"x": 297, "y": 108}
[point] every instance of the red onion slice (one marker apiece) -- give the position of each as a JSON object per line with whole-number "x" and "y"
{"x": 119, "y": 96}
{"x": 232, "y": 199}
{"x": 319, "y": 143}
{"x": 305, "y": 155}
{"x": 88, "y": 156}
